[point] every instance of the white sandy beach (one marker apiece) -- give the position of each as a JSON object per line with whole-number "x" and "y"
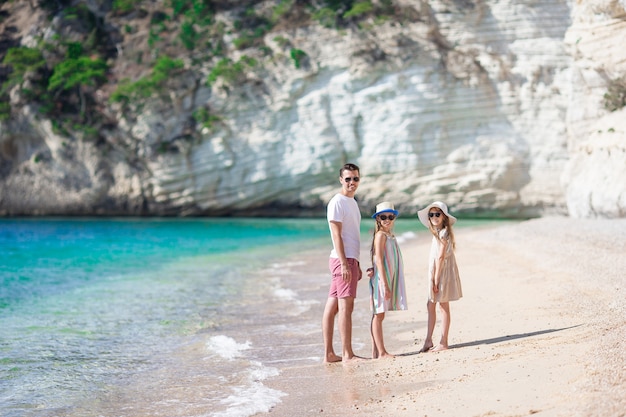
{"x": 541, "y": 330}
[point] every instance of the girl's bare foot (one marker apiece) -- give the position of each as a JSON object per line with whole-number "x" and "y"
{"x": 439, "y": 348}
{"x": 331, "y": 357}
{"x": 386, "y": 355}
{"x": 426, "y": 347}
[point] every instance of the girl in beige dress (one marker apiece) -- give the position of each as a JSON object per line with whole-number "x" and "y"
{"x": 444, "y": 282}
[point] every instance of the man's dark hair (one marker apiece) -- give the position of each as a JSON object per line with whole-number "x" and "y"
{"x": 349, "y": 167}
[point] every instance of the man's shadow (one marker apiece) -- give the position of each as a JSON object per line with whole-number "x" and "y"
{"x": 498, "y": 339}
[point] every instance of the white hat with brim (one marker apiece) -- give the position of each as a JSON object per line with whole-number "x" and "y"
{"x": 385, "y": 207}
{"x": 423, "y": 213}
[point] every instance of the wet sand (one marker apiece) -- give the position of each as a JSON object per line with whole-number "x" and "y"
{"x": 541, "y": 330}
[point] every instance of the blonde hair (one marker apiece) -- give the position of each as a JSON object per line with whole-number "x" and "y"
{"x": 445, "y": 225}
{"x": 376, "y": 230}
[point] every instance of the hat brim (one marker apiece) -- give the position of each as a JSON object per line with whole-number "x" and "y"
{"x": 423, "y": 213}
{"x": 395, "y": 212}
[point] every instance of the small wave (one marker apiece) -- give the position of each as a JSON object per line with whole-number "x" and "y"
{"x": 290, "y": 296}
{"x": 279, "y": 265}
{"x": 226, "y": 347}
{"x": 254, "y": 398}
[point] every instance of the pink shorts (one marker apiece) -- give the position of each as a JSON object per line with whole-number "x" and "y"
{"x": 338, "y": 287}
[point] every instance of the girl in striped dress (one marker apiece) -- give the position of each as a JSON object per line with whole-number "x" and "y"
{"x": 387, "y": 287}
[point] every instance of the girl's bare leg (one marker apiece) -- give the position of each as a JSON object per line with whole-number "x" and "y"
{"x": 432, "y": 319}
{"x": 374, "y": 348}
{"x": 445, "y": 327}
{"x": 377, "y": 334}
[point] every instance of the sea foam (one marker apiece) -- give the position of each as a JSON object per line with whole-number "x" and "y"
{"x": 226, "y": 347}
{"x": 254, "y": 397}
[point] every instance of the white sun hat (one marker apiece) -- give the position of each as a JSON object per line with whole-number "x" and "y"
{"x": 385, "y": 207}
{"x": 423, "y": 213}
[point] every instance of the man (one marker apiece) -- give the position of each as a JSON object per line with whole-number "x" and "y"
{"x": 344, "y": 221}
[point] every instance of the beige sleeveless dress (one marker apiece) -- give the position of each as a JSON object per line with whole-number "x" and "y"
{"x": 450, "y": 281}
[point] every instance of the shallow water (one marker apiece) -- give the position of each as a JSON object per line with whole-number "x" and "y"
{"x": 116, "y": 317}
{"x": 127, "y": 317}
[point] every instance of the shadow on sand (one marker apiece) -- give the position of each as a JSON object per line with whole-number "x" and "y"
{"x": 499, "y": 339}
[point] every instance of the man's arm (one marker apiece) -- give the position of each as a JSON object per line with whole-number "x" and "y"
{"x": 335, "y": 234}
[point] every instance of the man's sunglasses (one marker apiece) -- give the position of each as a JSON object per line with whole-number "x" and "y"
{"x": 385, "y": 217}
{"x": 434, "y": 214}
{"x": 355, "y": 179}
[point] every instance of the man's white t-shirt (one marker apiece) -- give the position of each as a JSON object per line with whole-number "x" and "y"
{"x": 346, "y": 211}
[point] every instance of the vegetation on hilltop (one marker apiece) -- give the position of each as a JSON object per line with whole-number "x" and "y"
{"x": 62, "y": 73}
{"x": 74, "y": 70}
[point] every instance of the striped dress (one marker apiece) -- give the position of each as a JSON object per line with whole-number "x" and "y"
{"x": 394, "y": 268}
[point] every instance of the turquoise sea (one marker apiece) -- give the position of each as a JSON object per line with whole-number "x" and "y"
{"x": 122, "y": 317}
{"x": 159, "y": 317}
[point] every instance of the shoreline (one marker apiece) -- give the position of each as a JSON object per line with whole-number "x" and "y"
{"x": 541, "y": 330}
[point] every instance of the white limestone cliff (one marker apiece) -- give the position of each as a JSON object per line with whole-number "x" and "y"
{"x": 495, "y": 107}
{"x": 595, "y": 176}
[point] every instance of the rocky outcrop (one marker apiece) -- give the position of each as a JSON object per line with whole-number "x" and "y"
{"x": 595, "y": 176}
{"x": 494, "y": 107}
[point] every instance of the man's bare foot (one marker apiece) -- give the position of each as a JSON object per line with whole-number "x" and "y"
{"x": 426, "y": 348}
{"x": 332, "y": 357}
{"x": 439, "y": 348}
{"x": 351, "y": 359}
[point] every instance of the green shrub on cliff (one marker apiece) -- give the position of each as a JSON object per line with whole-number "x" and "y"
{"x": 21, "y": 60}
{"x": 73, "y": 76}
{"x": 281, "y": 9}
{"x": 188, "y": 35}
{"x": 230, "y": 72}
{"x": 197, "y": 10}
{"x": 326, "y": 17}
{"x": 358, "y": 9}
{"x": 197, "y": 14}
{"x": 77, "y": 72}
{"x": 615, "y": 97}
{"x": 5, "y": 109}
{"x": 297, "y": 55}
{"x": 204, "y": 117}
{"x": 341, "y": 13}
{"x": 123, "y": 6}
{"x": 251, "y": 28}
{"x": 145, "y": 87}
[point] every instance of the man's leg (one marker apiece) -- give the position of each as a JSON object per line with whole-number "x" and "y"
{"x": 346, "y": 306}
{"x": 328, "y": 327}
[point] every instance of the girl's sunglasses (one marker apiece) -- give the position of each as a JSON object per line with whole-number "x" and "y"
{"x": 385, "y": 217}
{"x": 434, "y": 214}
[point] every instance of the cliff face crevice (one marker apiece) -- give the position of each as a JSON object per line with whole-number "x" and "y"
{"x": 497, "y": 108}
